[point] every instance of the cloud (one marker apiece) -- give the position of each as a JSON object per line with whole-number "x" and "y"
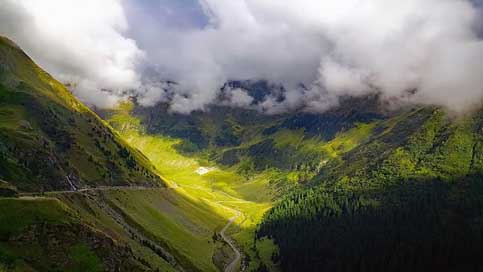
{"x": 78, "y": 41}
{"x": 343, "y": 47}
{"x": 239, "y": 98}
{"x": 424, "y": 51}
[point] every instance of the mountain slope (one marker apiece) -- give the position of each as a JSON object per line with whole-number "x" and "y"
{"x": 45, "y": 235}
{"x": 51, "y": 141}
{"x": 408, "y": 199}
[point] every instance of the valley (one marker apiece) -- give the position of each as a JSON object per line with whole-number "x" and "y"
{"x": 165, "y": 224}
{"x": 358, "y": 187}
{"x": 228, "y": 194}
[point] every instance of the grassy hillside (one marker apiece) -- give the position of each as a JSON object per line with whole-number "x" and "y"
{"x": 165, "y": 230}
{"x": 154, "y": 229}
{"x": 213, "y": 197}
{"x": 51, "y": 141}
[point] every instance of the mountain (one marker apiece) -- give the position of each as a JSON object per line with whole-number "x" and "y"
{"x": 52, "y": 144}
{"x": 51, "y": 141}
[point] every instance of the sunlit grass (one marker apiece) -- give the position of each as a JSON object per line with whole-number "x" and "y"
{"x": 204, "y": 203}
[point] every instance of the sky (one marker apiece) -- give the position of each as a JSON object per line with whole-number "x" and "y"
{"x": 317, "y": 50}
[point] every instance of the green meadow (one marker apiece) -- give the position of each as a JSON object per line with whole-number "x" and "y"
{"x": 197, "y": 204}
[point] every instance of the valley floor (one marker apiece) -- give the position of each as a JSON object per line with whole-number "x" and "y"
{"x": 217, "y": 195}
{"x": 224, "y": 195}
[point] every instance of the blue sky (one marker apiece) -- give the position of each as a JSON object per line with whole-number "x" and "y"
{"x": 169, "y": 13}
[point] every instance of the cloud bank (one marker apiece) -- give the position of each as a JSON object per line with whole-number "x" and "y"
{"x": 79, "y": 42}
{"x": 425, "y": 51}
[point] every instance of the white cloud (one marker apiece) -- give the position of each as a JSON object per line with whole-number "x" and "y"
{"x": 77, "y": 41}
{"x": 239, "y": 98}
{"x": 339, "y": 47}
{"x": 333, "y": 47}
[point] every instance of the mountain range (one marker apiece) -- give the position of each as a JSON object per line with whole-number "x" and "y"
{"x": 359, "y": 187}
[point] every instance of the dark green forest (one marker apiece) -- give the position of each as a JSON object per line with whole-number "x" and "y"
{"x": 408, "y": 200}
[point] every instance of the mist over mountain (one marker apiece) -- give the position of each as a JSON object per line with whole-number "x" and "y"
{"x": 404, "y": 50}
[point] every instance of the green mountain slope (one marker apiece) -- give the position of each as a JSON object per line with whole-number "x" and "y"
{"x": 408, "y": 199}
{"x": 51, "y": 141}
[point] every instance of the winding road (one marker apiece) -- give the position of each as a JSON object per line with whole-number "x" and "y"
{"x": 231, "y": 267}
